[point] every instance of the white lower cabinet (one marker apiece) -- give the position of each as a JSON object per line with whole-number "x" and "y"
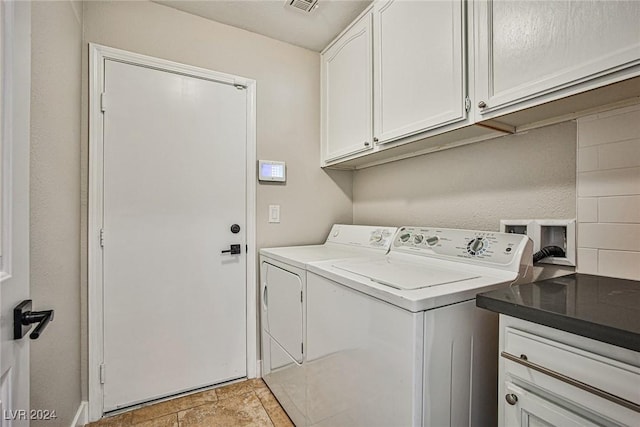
{"x": 548, "y": 377}
{"x": 530, "y": 410}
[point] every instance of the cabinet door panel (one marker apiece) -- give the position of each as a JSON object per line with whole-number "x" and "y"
{"x": 418, "y": 72}
{"x": 346, "y": 93}
{"x": 531, "y": 410}
{"x": 529, "y": 49}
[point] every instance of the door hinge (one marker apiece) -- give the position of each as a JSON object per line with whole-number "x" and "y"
{"x": 300, "y": 296}
{"x": 101, "y": 373}
{"x": 302, "y": 347}
{"x": 467, "y": 104}
{"x": 103, "y": 102}
{"x": 102, "y": 237}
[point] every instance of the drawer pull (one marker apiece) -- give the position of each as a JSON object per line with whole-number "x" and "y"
{"x": 583, "y": 386}
{"x": 512, "y": 399}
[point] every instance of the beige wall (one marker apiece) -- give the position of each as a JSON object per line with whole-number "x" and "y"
{"x": 531, "y": 175}
{"x": 288, "y": 110}
{"x": 609, "y": 194}
{"x": 523, "y": 176}
{"x": 55, "y": 205}
{"x": 288, "y": 106}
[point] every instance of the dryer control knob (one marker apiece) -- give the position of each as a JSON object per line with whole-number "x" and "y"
{"x": 405, "y": 237}
{"x": 418, "y": 238}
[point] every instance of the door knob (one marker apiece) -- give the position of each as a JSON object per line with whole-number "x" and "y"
{"x": 23, "y": 318}
{"x": 511, "y": 399}
{"x": 233, "y": 250}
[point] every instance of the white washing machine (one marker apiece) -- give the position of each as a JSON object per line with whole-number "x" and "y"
{"x": 397, "y": 340}
{"x": 283, "y": 279}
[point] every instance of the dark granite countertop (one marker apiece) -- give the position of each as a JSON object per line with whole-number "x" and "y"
{"x": 602, "y": 308}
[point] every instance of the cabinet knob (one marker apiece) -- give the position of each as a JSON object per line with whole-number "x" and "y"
{"x": 482, "y": 104}
{"x": 366, "y": 144}
{"x": 511, "y": 398}
{"x": 375, "y": 139}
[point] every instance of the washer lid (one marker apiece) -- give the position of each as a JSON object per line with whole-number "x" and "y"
{"x": 404, "y": 275}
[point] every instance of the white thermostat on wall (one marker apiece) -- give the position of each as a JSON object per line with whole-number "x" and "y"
{"x": 272, "y": 171}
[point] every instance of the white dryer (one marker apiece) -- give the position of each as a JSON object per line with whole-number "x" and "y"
{"x": 397, "y": 340}
{"x": 283, "y": 279}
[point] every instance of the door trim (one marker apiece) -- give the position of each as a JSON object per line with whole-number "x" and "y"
{"x": 97, "y": 56}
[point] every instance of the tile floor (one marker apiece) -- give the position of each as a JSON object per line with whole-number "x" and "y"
{"x": 247, "y": 403}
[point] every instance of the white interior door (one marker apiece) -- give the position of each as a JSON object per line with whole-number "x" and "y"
{"x": 15, "y": 24}
{"x": 174, "y": 183}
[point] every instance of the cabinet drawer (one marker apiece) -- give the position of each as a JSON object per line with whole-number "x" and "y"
{"x": 528, "y": 410}
{"x": 608, "y": 375}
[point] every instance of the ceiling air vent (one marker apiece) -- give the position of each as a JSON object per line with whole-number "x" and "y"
{"x": 302, "y": 5}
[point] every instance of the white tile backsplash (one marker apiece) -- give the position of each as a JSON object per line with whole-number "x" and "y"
{"x": 619, "y": 264}
{"x": 588, "y": 209}
{"x": 624, "y": 237}
{"x": 587, "y": 261}
{"x": 608, "y": 181}
{"x": 618, "y": 209}
{"x": 612, "y": 182}
{"x": 618, "y": 155}
{"x": 609, "y": 127}
{"x": 587, "y": 159}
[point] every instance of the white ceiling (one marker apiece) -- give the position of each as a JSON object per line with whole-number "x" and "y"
{"x": 313, "y": 30}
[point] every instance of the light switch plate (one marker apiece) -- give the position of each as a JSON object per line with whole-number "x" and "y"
{"x": 274, "y": 213}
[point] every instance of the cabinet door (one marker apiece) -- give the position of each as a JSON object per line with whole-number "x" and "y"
{"x": 419, "y": 62}
{"x": 530, "y": 52}
{"x": 526, "y": 409}
{"x": 346, "y": 93}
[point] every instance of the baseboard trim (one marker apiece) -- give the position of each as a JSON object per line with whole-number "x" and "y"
{"x": 82, "y": 415}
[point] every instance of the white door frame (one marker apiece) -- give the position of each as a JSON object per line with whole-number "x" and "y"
{"x": 97, "y": 56}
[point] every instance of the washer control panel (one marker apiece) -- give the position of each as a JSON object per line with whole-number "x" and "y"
{"x": 362, "y": 236}
{"x": 486, "y": 246}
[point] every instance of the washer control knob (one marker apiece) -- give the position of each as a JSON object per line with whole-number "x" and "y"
{"x": 376, "y": 236}
{"x": 418, "y": 238}
{"x": 475, "y": 246}
{"x": 433, "y": 240}
{"x": 405, "y": 237}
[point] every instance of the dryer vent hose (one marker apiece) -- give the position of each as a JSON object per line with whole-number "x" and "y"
{"x": 548, "y": 251}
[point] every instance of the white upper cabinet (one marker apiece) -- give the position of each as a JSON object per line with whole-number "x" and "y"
{"x": 531, "y": 52}
{"x": 412, "y": 77}
{"x": 419, "y": 67}
{"x": 347, "y": 93}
